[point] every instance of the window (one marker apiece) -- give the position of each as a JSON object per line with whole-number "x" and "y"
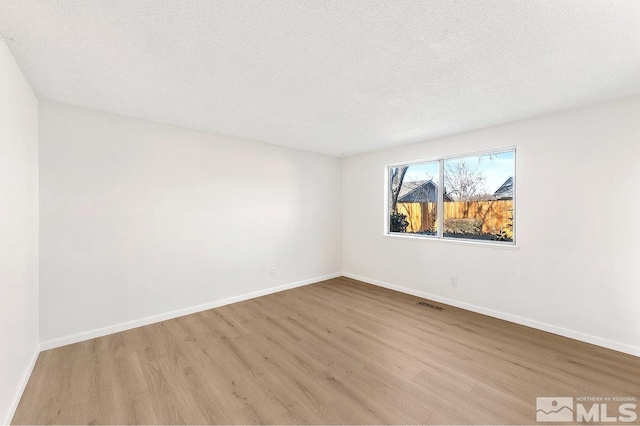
{"x": 465, "y": 198}
{"x": 414, "y": 198}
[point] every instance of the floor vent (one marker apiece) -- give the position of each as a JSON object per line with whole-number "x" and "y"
{"x": 429, "y": 305}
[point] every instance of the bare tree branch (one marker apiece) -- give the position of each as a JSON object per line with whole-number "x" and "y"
{"x": 397, "y": 177}
{"x": 463, "y": 182}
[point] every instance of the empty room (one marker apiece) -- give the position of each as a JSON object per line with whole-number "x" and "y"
{"x": 319, "y": 212}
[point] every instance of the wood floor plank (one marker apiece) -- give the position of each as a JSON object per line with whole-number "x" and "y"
{"x": 100, "y": 406}
{"x": 163, "y": 400}
{"x": 131, "y": 398}
{"x": 335, "y": 352}
{"x": 382, "y": 394}
{"x": 338, "y": 413}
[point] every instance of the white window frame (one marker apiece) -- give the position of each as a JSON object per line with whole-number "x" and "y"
{"x": 440, "y": 237}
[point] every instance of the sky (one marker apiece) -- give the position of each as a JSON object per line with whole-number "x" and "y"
{"x": 497, "y": 168}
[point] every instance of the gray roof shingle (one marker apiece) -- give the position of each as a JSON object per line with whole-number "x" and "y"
{"x": 420, "y": 191}
{"x": 505, "y": 191}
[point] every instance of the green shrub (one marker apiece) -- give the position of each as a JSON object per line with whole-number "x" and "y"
{"x": 506, "y": 233}
{"x": 398, "y": 222}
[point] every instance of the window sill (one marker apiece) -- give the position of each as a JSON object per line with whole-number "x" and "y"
{"x": 493, "y": 245}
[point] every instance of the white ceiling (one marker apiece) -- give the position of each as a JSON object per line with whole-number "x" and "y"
{"x": 336, "y": 77}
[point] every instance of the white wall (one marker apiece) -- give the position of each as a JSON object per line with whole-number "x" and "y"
{"x": 577, "y": 269}
{"x": 18, "y": 231}
{"x": 139, "y": 219}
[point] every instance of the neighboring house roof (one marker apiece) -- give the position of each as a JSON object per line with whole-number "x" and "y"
{"x": 505, "y": 191}
{"x": 420, "y": 191}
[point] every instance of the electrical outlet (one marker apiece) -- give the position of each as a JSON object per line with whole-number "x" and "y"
{"x": 333, "y": 260}
{"x": 453, "y": 281}
{"x": 273, "y": 271}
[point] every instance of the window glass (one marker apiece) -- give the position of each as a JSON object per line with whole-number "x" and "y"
{"x": 413, "y": 206}
{"x": 478, "y": 201}
{"x": 475, "y": 200}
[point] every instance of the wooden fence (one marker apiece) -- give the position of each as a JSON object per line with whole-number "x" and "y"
{"x": 495, "y": 214}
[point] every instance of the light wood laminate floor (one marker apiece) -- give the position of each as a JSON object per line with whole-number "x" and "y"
{"x": 336, "y": 352}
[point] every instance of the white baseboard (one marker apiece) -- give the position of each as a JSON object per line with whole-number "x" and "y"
{"x": 92, "y": 334}
{"x": 572, "y": 334}
{"x": 21, "y": 386}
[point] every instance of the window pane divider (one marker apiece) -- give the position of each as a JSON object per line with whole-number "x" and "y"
{"x": 440, "y": 213}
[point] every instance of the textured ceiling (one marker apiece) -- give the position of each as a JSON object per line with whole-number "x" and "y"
{"x": 336, "y": 77}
